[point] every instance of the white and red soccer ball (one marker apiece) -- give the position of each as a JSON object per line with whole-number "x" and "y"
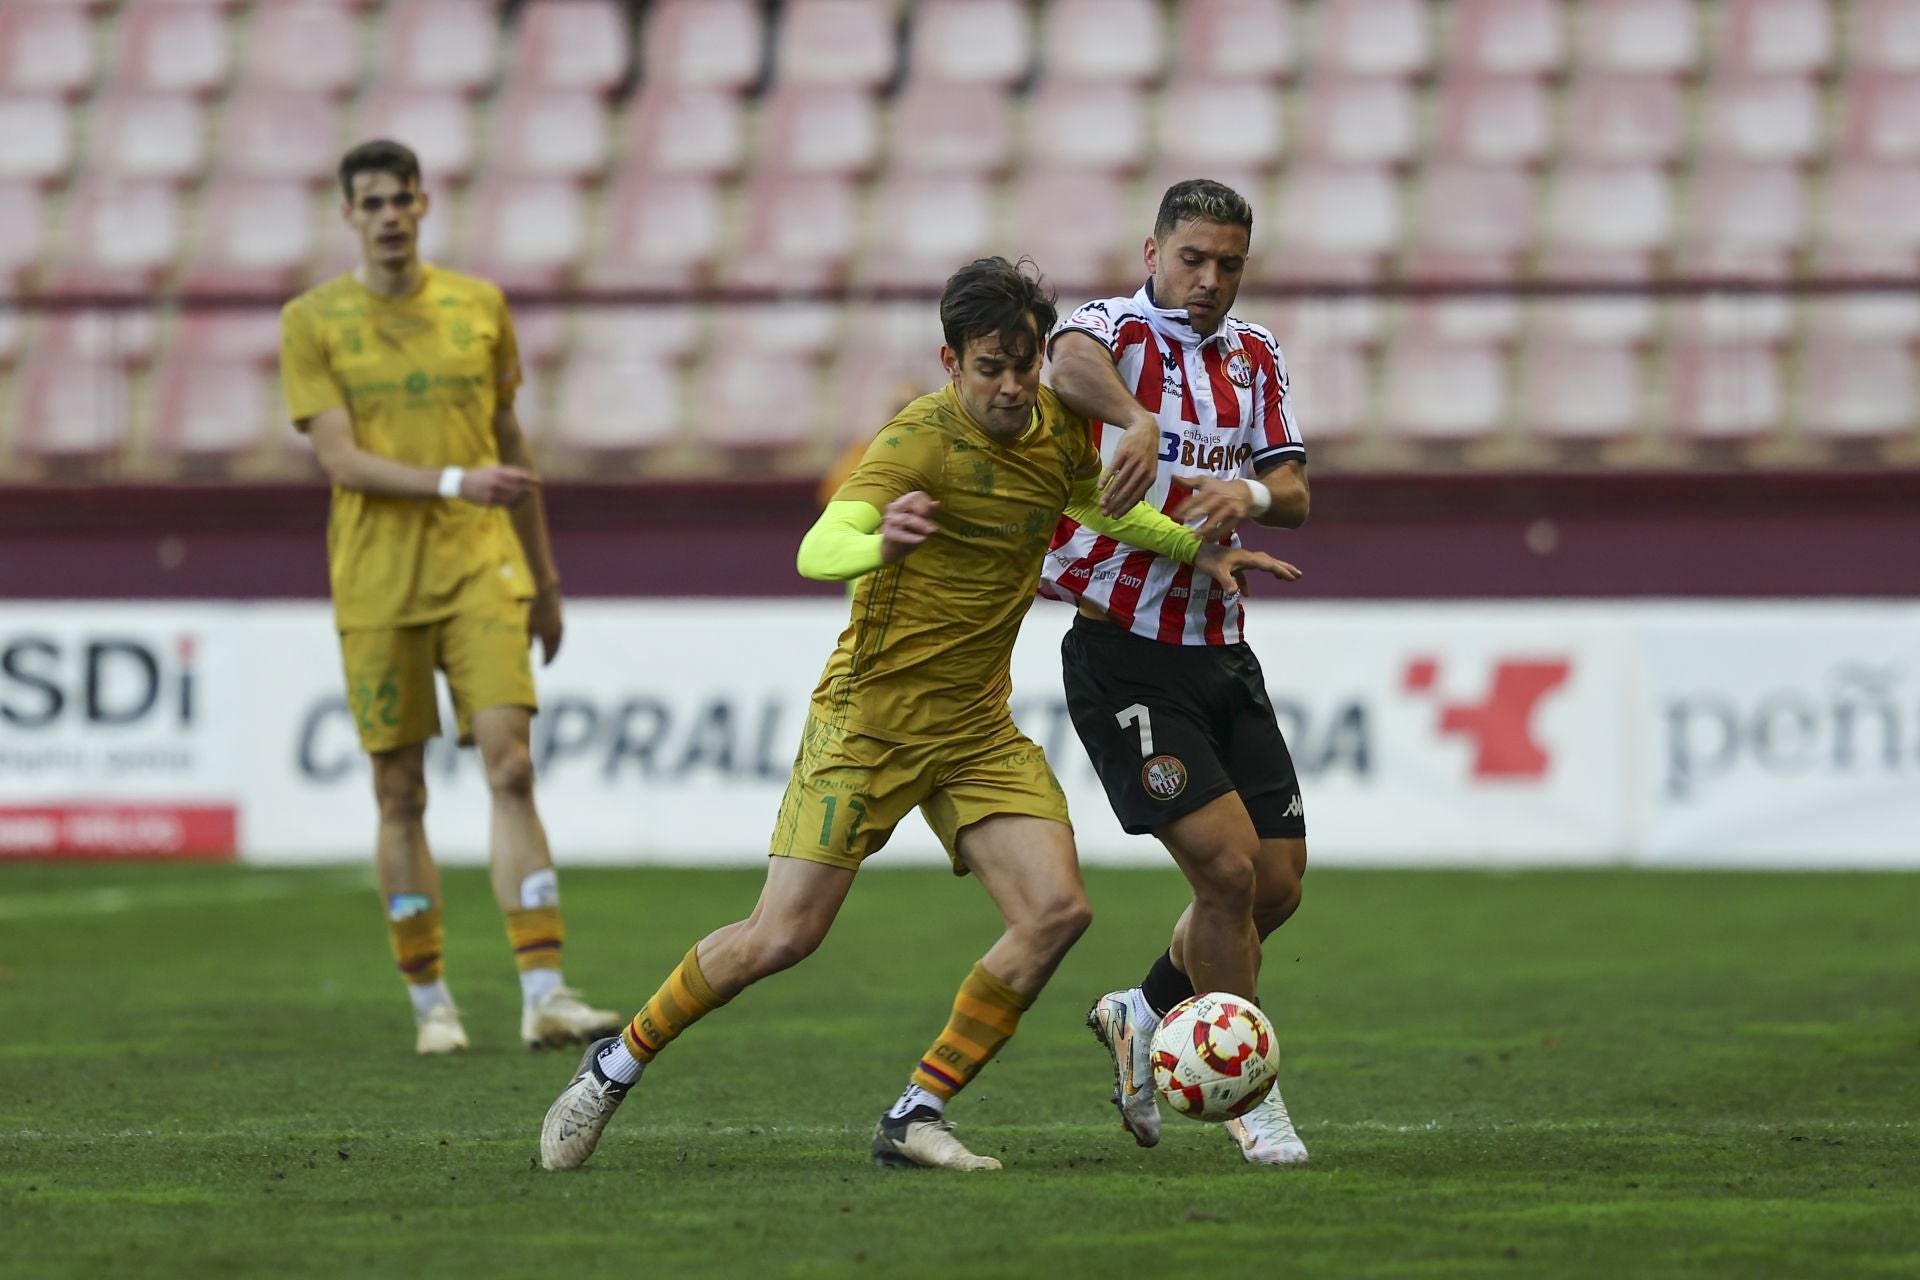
{"x": 1215, "y": 1056}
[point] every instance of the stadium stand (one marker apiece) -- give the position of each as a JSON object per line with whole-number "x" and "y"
{"x": 813, "y": 152}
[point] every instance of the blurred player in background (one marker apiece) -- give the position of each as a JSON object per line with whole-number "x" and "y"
{"x": 944, "y": 522}
{"x": 403, "y": 374}
{"x": 1168, "y": 699}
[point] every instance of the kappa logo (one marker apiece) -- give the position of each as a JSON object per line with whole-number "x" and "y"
{"x": 1501, "y": 725}
{"x": 1293, "y": 809}
{"x": 1164, "y": 777}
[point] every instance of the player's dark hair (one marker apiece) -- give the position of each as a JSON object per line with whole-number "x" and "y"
{"x": 992, "y": 295}
{"x": 1204, "y": 199}
{"x": 382, "y": 155}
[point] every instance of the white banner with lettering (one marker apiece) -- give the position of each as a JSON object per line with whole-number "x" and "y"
{"x": 1463, "y": 734}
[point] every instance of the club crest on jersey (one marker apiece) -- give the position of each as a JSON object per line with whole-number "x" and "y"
{"x": 1239, "y": 369}
{"x": 1164, "y": 777}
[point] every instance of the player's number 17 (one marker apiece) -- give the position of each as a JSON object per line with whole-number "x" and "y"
{"x": 857, "y": 808}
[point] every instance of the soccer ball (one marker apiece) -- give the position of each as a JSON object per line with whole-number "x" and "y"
{"x": 1215, "y": 1056}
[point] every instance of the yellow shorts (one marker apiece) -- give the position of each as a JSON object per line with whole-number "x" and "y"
{"x": 849, "y": 791}
{"x": 390, "y": 687}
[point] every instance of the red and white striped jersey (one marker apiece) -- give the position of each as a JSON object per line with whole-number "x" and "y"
{"x": 1224, "y": 412}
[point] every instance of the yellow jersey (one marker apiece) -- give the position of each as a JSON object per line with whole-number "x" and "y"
{"x": 925, "y": 654}
{"x": 421, "y": 377}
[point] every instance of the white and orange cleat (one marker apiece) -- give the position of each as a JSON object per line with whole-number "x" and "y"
{"x": 439, "y": 1031}
{"x": 1122, "y": 1022}
{"x": 1266, "y": 1134}
{"x": 561, "y": 1017}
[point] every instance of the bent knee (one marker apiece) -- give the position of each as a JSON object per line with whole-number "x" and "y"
{"x": 400, "y": 794}
{"x": 510, "y": 772}
{"x": 1229, "y": 878}
{"x": 773, "y": 949}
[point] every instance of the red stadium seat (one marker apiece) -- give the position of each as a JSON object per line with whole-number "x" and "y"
{"x": 447, "y": 45}
{"x": 1372, "y": 37}
{"x": 121, "y": 237}
{"x": 1111, "y": 41}
{"x": 685, "y": 131}
{"x": 39, "y": 134}
{"x": 1086, "y": 125}
{"x": 1254, "y": 141}
{"x": 811, "y": 129}
{"x": 550, "y": 133}
{"x": 1443, "y": 390}
{"x": 1884, "y": 35}
{"x": 253, "y": 235}
{"x": 69, "y": 405}
{"x": 269, "y": 134}
{"x": 660, "y": 232}
{"x": 892, "y": 358}
{"x": 45, "y": 49}
{"x": 925, "y": 228}
{"x": 173, "y": 48}
{"x": 751, "y": 402}
{"x": 1489, "y": 319}
{"x": 1731, "y": 319}
{"x": 842, "y": 43}
{"x": 1723, "y": 391}
{"x": 438, "y": 125}
{"x": 1074, "y": 224}
{"x": 1334, "y": 223}
{"x": 1580, "y": 391}
{"x": 303, "y": 46}
{"x": 1359, "y": 121}
{"x": 1776, "y": 37}
{"x": 1763, "y": 119}
{"x": 1872, "y": 207}
{"x": 1599, "y": 319}
{"x": 1744, "y": 219}
{"x": 22, "y": 232}
{"x": 209, "y": 407}
{"x": 1501, "y": 38}
{"x": 969, "y": 42}
{"x": 1477, "y": 212}
{"x": 1647, "y": 36}
{"x": 1623, "y": 119}
{"x": 702, "y": 44}
{"x": 526, "y": 233}
{"x": 231, "y": 335}
{"x": 146, "y": 135}
{"x": 624, "y": 403}
{"x": 800, "y": 232}
{"x": 806, "y": 330}
{"x": 1235, "y": 39}
{"x": 580, "y": 44}
{"x": 1878, "y": 316}
{"x": 1493, "y": 121}
{"x": 668, "y": 332}
{"x": 1880, "y": 117}
{"x": 1850, "y": 389}
{"x": 1628, "y": 208}
{"x": 951, "y": 128}
{"x": 1329, "y": 386}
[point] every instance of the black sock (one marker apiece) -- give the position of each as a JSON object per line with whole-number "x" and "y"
{"x": 1165, "y": 986}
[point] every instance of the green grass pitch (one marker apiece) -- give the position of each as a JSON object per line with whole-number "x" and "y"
{"x": 207, "y": 1072}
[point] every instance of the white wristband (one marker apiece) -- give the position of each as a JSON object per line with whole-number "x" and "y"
{"x": 1262, "y": 496}
{"x": 450, "y": 481}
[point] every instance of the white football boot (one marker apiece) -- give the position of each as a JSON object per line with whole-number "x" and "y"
{"x": 561, "y": 1017}
{"x": 922, "y": 1139}
{"x": 439, "y": 1031}
{"x": 1265, "y": 1134}
{"x": 1116, "y": 1023}
{"x": 579, "y": 1115}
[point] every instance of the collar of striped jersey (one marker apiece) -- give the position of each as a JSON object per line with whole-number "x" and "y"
{"x": 1174, "y": 324}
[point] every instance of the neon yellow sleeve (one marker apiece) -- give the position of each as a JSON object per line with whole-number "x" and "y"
{"x": 842, "y": 544}
{"x": 1141, "y": 527}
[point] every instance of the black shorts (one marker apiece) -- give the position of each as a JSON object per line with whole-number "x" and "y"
{"x": 1173, "y": 727}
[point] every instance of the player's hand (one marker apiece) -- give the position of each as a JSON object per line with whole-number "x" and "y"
{"x": 1228, "y": 566}
{"x": 905, "y": 524}
{"x": 1224, "y": 503}
{"x": 544, "y": 625}
{"x": 1136, "y": 460}
{"x": 497, "y": 486}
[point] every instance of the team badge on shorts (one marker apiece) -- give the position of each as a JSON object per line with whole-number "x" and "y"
{"x": 1164, "y": 777}
{"x": 1239, "y": 369}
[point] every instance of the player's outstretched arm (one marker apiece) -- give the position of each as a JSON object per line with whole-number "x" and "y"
{"x": 1229, "y": 566}
{"x": 852, "y": 538}
{"x": 1139, "y": 526}
{"x": 1278, "y": 496}
{"x": 351, "y": 467}
{"x": 1086, "y": 379}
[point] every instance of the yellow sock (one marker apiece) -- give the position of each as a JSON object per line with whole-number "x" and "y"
{"x": 682, "y": 1000}
{"x": 537, "y": 935}
{"x": 985, "y": 1014}
{"x": 416, "y": 946}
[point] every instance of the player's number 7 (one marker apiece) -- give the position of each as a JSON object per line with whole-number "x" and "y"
{"x": 1137, "y": 715}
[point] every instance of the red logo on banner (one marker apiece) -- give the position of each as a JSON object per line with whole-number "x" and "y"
{"x": 1501, "y": 727}
{"x": 118, "y": 831}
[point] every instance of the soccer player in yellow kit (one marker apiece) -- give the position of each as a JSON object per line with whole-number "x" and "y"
{"x": 944, "y": 523}
{"x": 403, "y": 375}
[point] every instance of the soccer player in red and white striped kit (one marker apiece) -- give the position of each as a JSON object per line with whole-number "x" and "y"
{"x": 1190, "y": 408}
